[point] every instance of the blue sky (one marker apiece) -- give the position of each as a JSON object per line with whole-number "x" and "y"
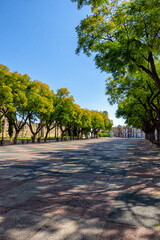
{"x": 38, "y": 37}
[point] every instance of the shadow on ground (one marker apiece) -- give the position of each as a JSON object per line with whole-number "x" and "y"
{"x": 95, "y": 189}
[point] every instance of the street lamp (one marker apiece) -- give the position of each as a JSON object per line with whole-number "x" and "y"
{"x": 3, "y": 123}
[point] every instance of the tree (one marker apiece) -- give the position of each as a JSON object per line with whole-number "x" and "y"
{"x": 64, "y": 110}
{"x": 76, "y": 121}
{"x": 23, "y": 100}
{"x": 119, "y": 127}
{"x": 86, "y": 122}
{"x": 40, "y": 104}
{"x": 136, "y": 116}
{"x": 10, "y": 128}
{"x": 50, "y": 120}
{"x": 107, "y": 122}
{"x": 6, "y": 96}
{"x": 140, "y": 93}
{"x": 15, "y": 109}
{"x": 0, "y": 122}
{"x": 124, "y": 36}
{"x": 97, "y": 122}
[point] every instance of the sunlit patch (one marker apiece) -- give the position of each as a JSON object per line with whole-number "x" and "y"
{"x": 155, "y": 192}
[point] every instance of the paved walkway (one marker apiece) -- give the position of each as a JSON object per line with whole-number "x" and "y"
{"x": 80, "y": 190}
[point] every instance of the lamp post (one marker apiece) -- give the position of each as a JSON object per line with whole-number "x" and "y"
{"x": 3, "y": 123}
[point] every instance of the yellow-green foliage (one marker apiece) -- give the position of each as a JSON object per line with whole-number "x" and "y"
{"x": 33, "y": 101}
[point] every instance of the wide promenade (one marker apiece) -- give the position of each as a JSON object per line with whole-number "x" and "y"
{"x": 80, "y": 190}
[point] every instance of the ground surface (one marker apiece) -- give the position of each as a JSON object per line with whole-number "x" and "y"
{"x": 80, "y": 190}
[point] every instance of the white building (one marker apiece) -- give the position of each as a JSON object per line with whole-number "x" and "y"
{"x": 129, "y": 132}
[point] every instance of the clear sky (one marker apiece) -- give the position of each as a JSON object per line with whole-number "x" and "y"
{"x": 38, "y": 37}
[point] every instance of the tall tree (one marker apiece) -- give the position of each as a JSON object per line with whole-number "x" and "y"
{"x": 64, "y": 110}
{"x": 135, "y": 115}
{"x": 107, "y": 122}
{"x": 10, "y": 128}
{"x": 124, "y": 36}
{"x": 15, "y": 109}
{"x": 76, "y": 123}
{"x": 40, "y": 104}
{"x": 86, "y": 122}
{"x": 137, "y": 89}
{"x": 97, "y": 122}
{"x": 50, "y": 119}
{"x": 6, "y": 95}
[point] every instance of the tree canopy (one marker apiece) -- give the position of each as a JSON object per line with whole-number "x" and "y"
{"x": 123, "y": 36}
{"x": 26, "y": 102}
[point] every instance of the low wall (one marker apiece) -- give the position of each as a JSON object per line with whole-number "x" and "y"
{"x": 25, "y": 132}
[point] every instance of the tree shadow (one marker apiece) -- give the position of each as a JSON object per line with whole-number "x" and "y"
{"x": 85, "y": 190}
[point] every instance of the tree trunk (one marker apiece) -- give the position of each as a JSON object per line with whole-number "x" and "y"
{"x": 62, "y": 135}
{"x": 97, "y": 133}
{"x": 158, "y": 137}
{"x": 152, "y": 136}
{"x": 147, "y": 136}
{"x": 86, "y": 136}
{"x": 45, "y": 139}
{"x": 55, "y": 132}
{"x": 15, "y": 137}
{"x": 34, "y": 138}
{"x": 78, "y": 135}
{"x": 73, "y": 134}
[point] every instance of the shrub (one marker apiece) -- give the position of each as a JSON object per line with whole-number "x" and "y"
{"x": 103, "y": 134}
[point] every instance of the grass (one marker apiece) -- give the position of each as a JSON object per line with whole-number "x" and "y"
{"x": 29, "y": 138}
{"x": 19, "y": 138}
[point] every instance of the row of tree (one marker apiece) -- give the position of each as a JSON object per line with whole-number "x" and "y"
{"x": 23, "y": 101}
{"x": 125, "y": 39}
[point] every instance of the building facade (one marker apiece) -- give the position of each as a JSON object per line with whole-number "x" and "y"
{"x": 128, "y": 132}
{"x": 26, "y": 132}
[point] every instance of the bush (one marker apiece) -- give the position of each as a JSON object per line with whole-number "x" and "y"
{"x": 103, "y": 134}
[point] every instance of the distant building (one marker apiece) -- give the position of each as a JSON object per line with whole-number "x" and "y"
{"x": 128, "y": 132}
{"x": 117, "y": 132}
{"x": 133, "y": 132}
